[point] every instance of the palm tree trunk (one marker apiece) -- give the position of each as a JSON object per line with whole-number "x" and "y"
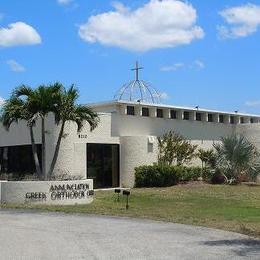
{"x": 35, "y": 155}
{"x": 44, "y": 150}
{"x": 57, "y": 149}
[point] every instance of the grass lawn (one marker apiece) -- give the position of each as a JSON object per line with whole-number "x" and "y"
{"x": 235, "y": 208}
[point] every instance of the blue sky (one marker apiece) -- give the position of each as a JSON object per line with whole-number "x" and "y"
{"x": 204, "y": 53}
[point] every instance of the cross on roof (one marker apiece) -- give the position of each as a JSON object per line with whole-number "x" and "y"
{"x": 137, "y": 68}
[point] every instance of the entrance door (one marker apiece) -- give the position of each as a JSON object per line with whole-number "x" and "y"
{"x": 103, "y": 165}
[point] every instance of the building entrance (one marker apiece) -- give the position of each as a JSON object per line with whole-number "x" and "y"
{"x": 103, "y": 165}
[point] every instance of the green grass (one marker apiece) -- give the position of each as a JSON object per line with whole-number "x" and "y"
{"x": 234, "y": 208}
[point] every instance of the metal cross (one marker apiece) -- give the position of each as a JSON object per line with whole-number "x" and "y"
{"x": 137, "y": 68}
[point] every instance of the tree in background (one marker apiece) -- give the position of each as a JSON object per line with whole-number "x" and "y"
{"x": 40, "y": 102}
{"x": 35, "y": 104}
{"x": 174, "y": 148}
{"x": 14, "y": 110}
{"x": 68, "y": 110}
{"x": 237, "y": 156}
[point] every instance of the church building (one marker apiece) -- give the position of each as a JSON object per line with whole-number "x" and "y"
{"x": 125, "y": 138}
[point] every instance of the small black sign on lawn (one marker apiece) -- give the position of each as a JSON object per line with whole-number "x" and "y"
{"x": 118, "y": 191}
{"x": 127, "y": 194}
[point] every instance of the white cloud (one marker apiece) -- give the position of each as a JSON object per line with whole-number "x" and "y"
{"x": 164, "y": 95}
{"x": 120, "y": 7}
{"x": 18, "y": 33}
{"x": 161, "y": 95}
{"x": 64, "y": 2}
{"x": 241, "y": 21}
{"x": 173, "y": 67}
{"x": 199, "y": 64}
{"x": 255, "y": 103}
{"x": 1, "y": 101}
{"x": 15, "y": 66}
{"x": 157, "y": 24}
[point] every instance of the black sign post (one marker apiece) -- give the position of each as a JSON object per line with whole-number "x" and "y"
{"x": 126, "y": 193}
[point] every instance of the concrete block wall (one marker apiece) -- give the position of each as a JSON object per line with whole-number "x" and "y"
{"x": 47, "y": 192}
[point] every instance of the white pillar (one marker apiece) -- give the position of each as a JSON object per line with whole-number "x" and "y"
{"x": 215, "y": 118}
{"x": 152, "y": 112}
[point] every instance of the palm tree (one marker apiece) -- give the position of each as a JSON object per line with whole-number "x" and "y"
{"x": 40, "y": 102}
{"x": 68, "y": 110}
{"x": 207, "y": 157}
{"x": 15, "y": 109}
{"x": 236, "y": 156}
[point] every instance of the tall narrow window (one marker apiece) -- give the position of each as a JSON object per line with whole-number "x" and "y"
{"x": 159, "y": 112}
{"x": 232, "y": 120}
{"x": 242, "y": 120}
{"x": 173, "y": 114}
{"x": 145, "y": 111}
{"x": 221, "y": 118}
{"x": 130, "y": 110}
{"x": 186, "y": 115}
{"x": 198, "y": 116}
{"x": 251, "y": 120}
{"x": 210, "y": 117}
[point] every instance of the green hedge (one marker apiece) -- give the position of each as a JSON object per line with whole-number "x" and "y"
{"x": 164, "y": 175}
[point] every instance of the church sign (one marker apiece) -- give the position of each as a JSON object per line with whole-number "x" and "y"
{"x": 47, "y": 192}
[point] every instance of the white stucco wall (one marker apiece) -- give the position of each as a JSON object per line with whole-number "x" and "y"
{"x": 18, "y": 134}
{"x": 125, "y": 125}
{"x": 73, "y": 150}
{"x": 131, "y": 132}
{"x": 251, "y": 132}
{"x": 72, "y": 159}
{"x": 1, "y": 182}
{"x": 135, "y": 151}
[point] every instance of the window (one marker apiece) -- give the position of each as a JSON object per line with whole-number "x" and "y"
{"x": 242, "y": 120}
{"x": 198, "y": 116}
{"x": 173, "y": 114}
{"x": 18, "y": 159}
{"x": 254, "y": 120}
{"x": 232, "y": 120}
{"x": 210, "y": 117}
{"x": 159, "y": 113}
{"x": 186, "y": 115}
{"x": 130, "y": 110}
{"x": 145, "y": 111}
{"x": 221, "y": 118}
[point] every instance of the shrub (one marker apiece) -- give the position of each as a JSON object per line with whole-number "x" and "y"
{"x": 16, "y": 176}
{"x": 156, "y": 175}
{"x": 169, "y": 174}
{"x": 190, "y": 174}
{"x": 237, "y": 156}
{"x": 207, "y": 157}
{"x": 174, "y": 148}
{"x": 148, "y": 176}
{"x": 162, "y": 175}
{"x": 213, "y": 176}
{"x": 218, "y": 178}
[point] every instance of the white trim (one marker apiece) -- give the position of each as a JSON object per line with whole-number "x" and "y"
{"x": 123, "y": 102}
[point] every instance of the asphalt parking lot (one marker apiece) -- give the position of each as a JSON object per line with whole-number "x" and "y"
{"x": 44, "y": 235}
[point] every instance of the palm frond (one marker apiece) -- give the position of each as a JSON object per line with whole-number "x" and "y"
{"x": 235, "y": 155}
{"x": 13, "y": 110}
{"x": 23, "y": 90}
